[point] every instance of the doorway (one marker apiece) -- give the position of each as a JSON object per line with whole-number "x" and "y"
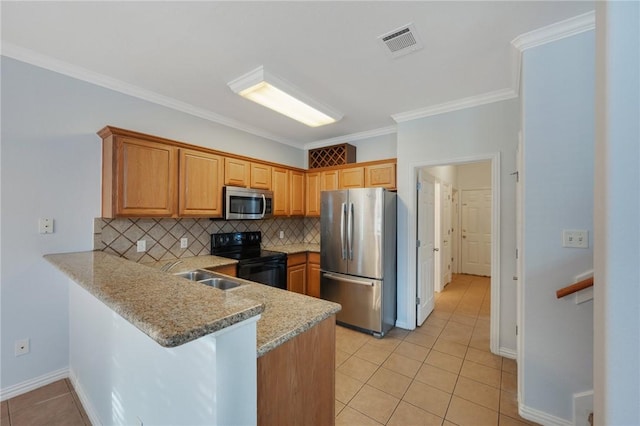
{"x": 448, "y": 246}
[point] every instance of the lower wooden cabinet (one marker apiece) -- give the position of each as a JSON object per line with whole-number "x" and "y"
{"x": 313, "y": 274}
{"x": 297, "y": 272}
{"x": 230, "y": 270}
{"x": 296, "y": 380}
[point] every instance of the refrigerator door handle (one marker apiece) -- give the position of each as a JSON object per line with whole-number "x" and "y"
{"x": 347, "y": 280}
{"x": 342, "y": 224}
{"x": 350, "y": 231}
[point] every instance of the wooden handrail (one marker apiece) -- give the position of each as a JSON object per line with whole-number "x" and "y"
{"x": 580, "y": 285}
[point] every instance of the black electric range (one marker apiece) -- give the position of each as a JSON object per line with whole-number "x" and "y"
{"x": 254, "y": 264}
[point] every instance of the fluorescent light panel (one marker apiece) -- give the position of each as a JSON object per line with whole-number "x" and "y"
{"x": 269, "y": 91}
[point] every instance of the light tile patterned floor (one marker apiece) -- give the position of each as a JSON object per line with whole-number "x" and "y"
{"x": 442, "y": 373}
{"x": 56, "y": 404}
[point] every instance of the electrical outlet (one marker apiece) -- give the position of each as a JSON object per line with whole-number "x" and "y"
{"x": 575, "y": 238}
{"x": 141, "y": 246}
{"x": 281, "y": 234}
{"x": 184, "y": 242}
{"x": 45, "y": 225}
{"x": 22, "y": 347}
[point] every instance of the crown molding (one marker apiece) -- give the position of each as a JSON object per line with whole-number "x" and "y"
{"x": 352, "y": 137}
{"x": 25, "y": 55}
{"x": 559, "y": 30}
{"x": 458, "y": 104}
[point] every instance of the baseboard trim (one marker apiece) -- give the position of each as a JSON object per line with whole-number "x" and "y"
{"x": 84, "y": 399}
{"x": 35, "y": 383}
{"x": 507, "y": 353}
{"x": 541, "y": 417}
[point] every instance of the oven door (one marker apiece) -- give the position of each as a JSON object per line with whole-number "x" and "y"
{"x": 270, "y": 272}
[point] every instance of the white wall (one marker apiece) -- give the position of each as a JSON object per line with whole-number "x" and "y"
{"x": 617, "y": 230}
{"x": 446, "y": 174}
{"x": 51, "y": 162}
{"x": 474, "y": 175}
{"x": 558, "y": 140}
{"x": 445, "y": 138}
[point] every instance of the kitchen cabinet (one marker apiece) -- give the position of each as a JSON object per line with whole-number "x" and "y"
{"x": 260, "y": 176}
{"x": 313, "y": 274}
{"x": 230, "y": 270}
{"x": 329, "y": 180}
{"x": 139, "y": 177}
{"x": 237, "y": 172}
{"x": 280, "y": 185}
{"x": 352, "y": 177}
{"x": 312, "y": 189}
{"x": 380, "y": 175}
{"x": 296, "y": 191}
{"x": 296, "y": 380}
{"x": 200, "y": 184}
{"x": 297, "y": 272}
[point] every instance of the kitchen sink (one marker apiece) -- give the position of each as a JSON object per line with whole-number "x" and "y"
{"x": 221, "y": 283}
{"x": 209, "y": 278}
{"x": 196, "y": 275}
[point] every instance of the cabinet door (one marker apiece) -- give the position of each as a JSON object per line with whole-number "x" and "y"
{"x": 260, "y": 176}
{"x": 230, "y": 270}
{"x": 146, "y": 174}
{"x": 280, "y": 187}
{"x": 329, "y": 181}
{"x": 382, "y": 175}
{"x": 200, "y": 184}
{"x": 296, "y": 190}
{"x": 352, "y": 178}
{"x": 312, "y": 187}
{"x": 296, "y": 278}
{"x": 236, "y": 172}
{"x": 313, "y": 275}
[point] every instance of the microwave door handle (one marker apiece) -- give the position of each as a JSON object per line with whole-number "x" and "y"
{"x": 343, "y": 212}
{"x": 264, "y": 205}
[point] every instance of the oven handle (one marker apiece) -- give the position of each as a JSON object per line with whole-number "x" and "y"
{"x": 264, "y": 205}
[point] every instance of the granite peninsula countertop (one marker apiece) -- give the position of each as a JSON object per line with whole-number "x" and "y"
{"x": 190, "y": 310}
{"x": 194, "y": 262}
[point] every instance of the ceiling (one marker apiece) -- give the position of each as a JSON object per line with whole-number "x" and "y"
{"x": 183, "y": 54}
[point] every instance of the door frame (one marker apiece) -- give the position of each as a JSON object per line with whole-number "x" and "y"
{"x": 494, "y": 158}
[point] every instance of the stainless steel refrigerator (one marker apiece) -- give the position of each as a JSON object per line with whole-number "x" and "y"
{"x": 358, "y": 256}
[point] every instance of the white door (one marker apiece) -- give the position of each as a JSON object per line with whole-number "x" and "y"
{"x": 476, "y": 232}
{"x": 445, "y": 234}
{"x": 455, "y": 233}
{"x": 424, "y": 253}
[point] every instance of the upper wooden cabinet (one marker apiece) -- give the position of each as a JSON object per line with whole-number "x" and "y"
{"x": 139, "y": 178}
{"x": 200, "y": 188}
{"x": 380, "y": 175}
{"x": 260, "y": 176}
{"x": 329, "y": 180}
{"x": 280, "y": 187}
{"x": 296, "y": 191}
{"x": 312, "y": 188}
{"x": 352, "y": 177}
{"x": 237, "y": 172}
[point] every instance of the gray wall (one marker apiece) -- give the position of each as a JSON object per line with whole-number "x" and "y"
{"x": 51, "y": 162}
{"x": 445, "y": 138}
{"x": 558, "y": 109}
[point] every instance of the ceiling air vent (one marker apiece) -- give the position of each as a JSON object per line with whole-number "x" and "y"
{"x": 401, "y": 41}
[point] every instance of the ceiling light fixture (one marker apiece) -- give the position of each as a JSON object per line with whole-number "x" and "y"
{"x": 272, "y": 92}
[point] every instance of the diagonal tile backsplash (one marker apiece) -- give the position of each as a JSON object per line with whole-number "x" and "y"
{"x": 162, "y": 236}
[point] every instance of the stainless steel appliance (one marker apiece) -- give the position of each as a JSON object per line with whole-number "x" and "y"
{"x": 245, "y": 203}
{"x": 358, "y": 256}
{"x": 254, "y": 264}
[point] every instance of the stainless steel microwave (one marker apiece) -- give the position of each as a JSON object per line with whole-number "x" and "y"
{"x": 245, "y": 203}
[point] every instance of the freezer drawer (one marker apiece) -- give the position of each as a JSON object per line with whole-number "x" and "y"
{"x": 361, "y": 299}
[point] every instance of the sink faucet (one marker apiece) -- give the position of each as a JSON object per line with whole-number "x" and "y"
{"x": 167, "y": 267}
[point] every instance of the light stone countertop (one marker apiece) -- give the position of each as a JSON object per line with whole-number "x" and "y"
{"x": 284, "y": 314}
{"x": 194, "y": 262}
{"x": 295, "y": 248}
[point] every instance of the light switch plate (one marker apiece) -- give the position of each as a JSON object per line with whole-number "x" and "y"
{"x": 575, "y": 238}
{"x": 184, "y": 242}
